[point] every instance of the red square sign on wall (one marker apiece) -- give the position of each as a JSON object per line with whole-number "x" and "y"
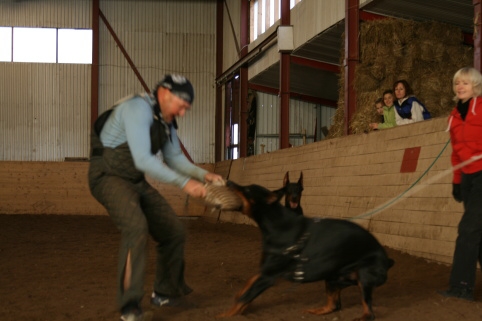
{"x": 410, "y": 160}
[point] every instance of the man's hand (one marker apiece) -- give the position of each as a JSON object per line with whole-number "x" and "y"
{"x": 195, "y": 188}
{"x": 212, "y": 178}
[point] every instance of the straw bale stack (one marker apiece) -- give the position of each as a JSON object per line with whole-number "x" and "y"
{"x": 426, "y": 54}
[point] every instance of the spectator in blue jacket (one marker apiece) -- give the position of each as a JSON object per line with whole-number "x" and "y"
{"x": 409, "y": 108}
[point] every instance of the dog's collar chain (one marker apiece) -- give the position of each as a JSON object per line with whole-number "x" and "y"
{"x": 295, "y": 249}
{"x": 294, "y": 252}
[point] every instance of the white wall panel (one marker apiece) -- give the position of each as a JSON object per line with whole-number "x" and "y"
{"x": 310, "y": 17}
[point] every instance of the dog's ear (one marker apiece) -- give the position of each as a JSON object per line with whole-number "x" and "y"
{"x": 286, "y": 180}
{"x": 300, "y": 181}
{"x": 276, "y": 195}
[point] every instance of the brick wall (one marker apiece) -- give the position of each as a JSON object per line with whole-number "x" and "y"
{"x": 395, "y": 182}
{"x": 61, "y": 188}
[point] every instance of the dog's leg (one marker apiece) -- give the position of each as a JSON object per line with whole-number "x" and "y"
{"x": 254, "y": 287}
{"x": 238, "y": 306}
{"x": 236, "y": 309}
{"x": 366, "y": 292}
{"x": 246, "y": 286}
{"x": 333, "y": 300}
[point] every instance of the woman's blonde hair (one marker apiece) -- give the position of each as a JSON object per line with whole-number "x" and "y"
{"x": 472, "y": 75}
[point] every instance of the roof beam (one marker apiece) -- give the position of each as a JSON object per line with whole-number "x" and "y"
{"x": 315, "y": 64}
{"x": 303, "y": 97}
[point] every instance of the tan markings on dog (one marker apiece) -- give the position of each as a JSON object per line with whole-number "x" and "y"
{"x": 367, "y": 313}
{"x": 247, "y": 286}
{"x": 246, "y": 207}
{"x": 331, "y": 305}
{"x": 238, "y": 307}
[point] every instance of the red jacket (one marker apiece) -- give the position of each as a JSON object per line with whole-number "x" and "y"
{"x": 466, "y": 138}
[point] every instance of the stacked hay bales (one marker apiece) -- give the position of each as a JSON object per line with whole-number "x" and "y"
{"x": 426, "y": 54}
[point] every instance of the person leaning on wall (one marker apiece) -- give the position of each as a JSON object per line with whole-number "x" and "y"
{"x": 409, "y": 108}
{"x": 387, "y": 110}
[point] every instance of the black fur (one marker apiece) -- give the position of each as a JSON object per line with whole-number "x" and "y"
{"x": 307, "y": 250}
{"x": 292, "y": 193}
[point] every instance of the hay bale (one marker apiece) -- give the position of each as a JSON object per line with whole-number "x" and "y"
{"x": 364, "y": 81}
{"x": 431, "y": 51}
{"x": 366, "y": 112}
{"x": 426, "y": 54}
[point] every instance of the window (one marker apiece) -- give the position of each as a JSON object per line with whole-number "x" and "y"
{"x": 264, "y": 13}
{"x": 46, "y": 45}
{"x": 235, "y": 141}
{"x": 34, "y": 45}
{"x": 75, "y": 46}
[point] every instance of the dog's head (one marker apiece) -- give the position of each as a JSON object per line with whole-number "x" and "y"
{"x": 292, "y": 191}
{"x": 255, "y": 197}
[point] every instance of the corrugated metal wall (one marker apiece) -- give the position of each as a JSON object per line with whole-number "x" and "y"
{"x": 303, "y": 121}
{"x": 312, "y": 17}
{"x": 44, "y": 108}
{"x": 231, "y": 32}
{"x": 164, "y": 37}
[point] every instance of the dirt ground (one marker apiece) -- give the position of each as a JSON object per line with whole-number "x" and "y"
{"x": 63, "y": 268}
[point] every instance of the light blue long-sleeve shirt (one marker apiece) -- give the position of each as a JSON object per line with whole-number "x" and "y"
{"x": 130, "y": 122}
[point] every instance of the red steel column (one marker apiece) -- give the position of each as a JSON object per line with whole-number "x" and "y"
{"x": 477, "y": 35}
{"x": 284, "y": 134}
{"x": 352, "y": 24}
{"x": 243, "y": 81}
{"x": 94, "y": 76}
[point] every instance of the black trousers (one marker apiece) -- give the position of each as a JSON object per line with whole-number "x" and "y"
{"x": 138, "y": 210}
{"x": 468, "y": 247}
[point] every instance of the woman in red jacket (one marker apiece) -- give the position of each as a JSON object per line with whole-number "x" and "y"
{"x": 465, "y": 125}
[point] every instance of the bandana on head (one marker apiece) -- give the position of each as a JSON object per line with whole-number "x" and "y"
{"x": 179, "y": 86}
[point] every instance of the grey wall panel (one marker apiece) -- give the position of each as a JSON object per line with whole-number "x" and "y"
{"x": 163, "y": 37}
{"x": 45, "y": 108}
{"x": 44, "y": 111}
{"x": 303, "y": 121}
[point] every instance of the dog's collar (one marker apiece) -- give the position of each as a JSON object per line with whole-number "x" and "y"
{"x": 296, "y": 248}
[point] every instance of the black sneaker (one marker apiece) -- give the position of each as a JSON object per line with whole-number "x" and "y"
{"x": 132, "y": 317}
{"x": 165, "y": 301}
{"x": 132, "y": 312}
{"x": 458, "y": 292}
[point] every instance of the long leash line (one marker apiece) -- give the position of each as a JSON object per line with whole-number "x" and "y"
{"x": 411, "y": 187}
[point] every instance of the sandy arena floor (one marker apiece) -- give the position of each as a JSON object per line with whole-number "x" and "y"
{"x": 60, "y": 268}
